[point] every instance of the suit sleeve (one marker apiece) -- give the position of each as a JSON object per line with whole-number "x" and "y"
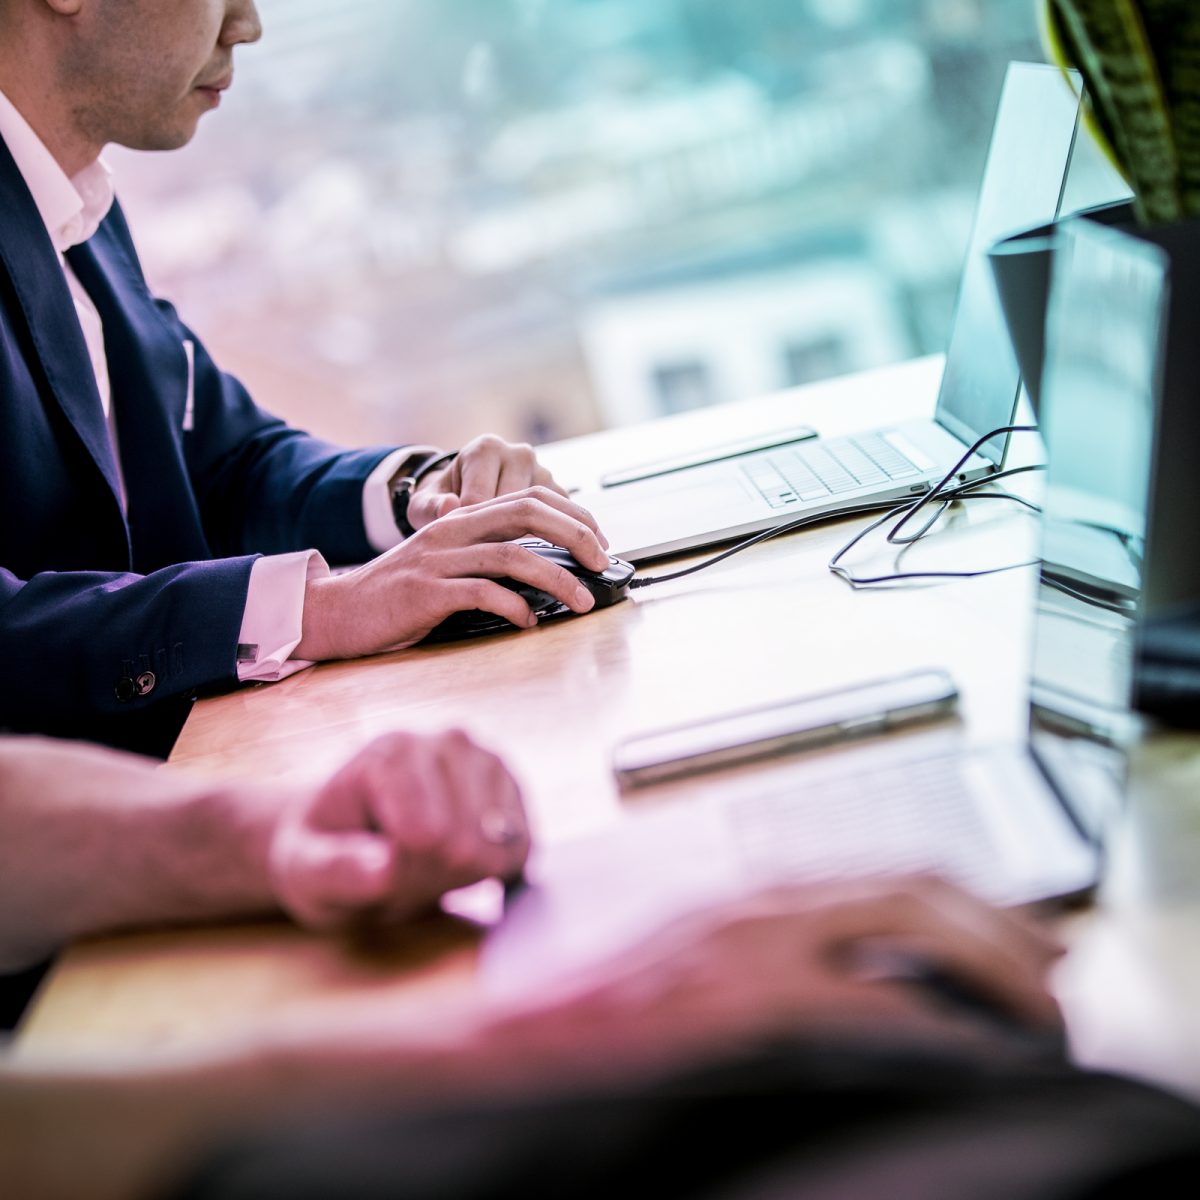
{"x": 68, "y": 638}
{"x": 265, "y": 488}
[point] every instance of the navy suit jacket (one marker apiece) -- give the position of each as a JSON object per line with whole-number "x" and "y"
{"x": 89, "y": 595}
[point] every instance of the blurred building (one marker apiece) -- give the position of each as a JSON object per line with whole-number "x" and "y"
{"x": 421, "y": 219}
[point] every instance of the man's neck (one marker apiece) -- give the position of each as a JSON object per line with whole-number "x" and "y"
{"x": 43, "y": 110}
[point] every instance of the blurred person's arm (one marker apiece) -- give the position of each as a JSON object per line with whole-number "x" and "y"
{"x": 92, "y": 840}
{"x": 712, "y": 987}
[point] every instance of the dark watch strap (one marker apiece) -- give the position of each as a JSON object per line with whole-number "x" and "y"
{"x": 403, "y": 488}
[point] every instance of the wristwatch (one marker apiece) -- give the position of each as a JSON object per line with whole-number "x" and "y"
{"x": 421, "y": 462}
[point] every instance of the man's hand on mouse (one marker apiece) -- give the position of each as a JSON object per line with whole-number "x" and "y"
{"x": 409, "y": 818}
{"x": 450, "y": 566}
{"x": 484, "y": 469}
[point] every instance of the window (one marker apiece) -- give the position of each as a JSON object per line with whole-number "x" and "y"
{"x": 683, "y": 387}
{"x": 422, "y": 219}
{"x": 812, "y": 360}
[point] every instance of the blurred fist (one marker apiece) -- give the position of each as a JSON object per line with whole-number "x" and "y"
{"x": 407, "y": 820}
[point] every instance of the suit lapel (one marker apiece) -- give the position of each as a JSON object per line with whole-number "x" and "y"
{"x": 49, "y": 311}
{"x": 148, "y": 370}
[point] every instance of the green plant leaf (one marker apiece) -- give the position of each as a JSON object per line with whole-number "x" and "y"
{"x": 1061, "y": 49}
{"x": 1173, "y": 27}
{"x": 1115, "y": 56}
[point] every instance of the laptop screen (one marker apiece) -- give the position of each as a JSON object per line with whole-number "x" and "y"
{"x": 1100, "y": 389}
{"x": 1036, "y": 169}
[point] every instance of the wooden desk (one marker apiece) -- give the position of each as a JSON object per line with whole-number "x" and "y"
{"x": 769, "y": 625}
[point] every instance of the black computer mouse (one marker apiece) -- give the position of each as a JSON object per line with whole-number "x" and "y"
{"x": 608, "y": 587}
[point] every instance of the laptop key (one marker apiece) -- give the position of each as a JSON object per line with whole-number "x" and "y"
{"x": 772, "y": 486}
{"x": 805, "y": 483}
{"x": 857, "y": 463}
{"x": 828, "y": 470}
{"x": 886, "y": 456}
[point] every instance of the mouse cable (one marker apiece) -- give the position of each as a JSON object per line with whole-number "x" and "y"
{"x": 965, "y": 491}
{"x": 943, "y": 496}
{"x": 936, "y": 494}
{"x": 888, "y": 508}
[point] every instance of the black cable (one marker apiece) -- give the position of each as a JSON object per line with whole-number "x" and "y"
{"x": 965, "y": 491}
{"x": 943, "y": 496}
{"x": 778, "y": 531}
{"x": 937, "y": 493}
{"x": 940, "y": 494}
{"x": 857, "y": 581}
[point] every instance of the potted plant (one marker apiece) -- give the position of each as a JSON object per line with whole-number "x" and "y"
{"x": 1140, "y": 61}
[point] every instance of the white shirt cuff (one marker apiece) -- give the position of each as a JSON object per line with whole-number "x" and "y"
{"x": 377, "y": 503}
{"x": 272, "y": 623}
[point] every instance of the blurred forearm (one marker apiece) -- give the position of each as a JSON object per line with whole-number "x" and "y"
{"x": 91, "y": 840}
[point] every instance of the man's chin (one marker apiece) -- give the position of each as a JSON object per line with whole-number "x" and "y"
{"x": 161, "y": 138}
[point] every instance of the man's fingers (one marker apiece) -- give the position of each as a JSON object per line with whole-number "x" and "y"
{"x": 426, "y": 506}
{"x": 519, "y": 469}
{"x": 325, "y": 878}
{"x": 550, "y": 498}
{"x": 457, "y": 820}
{"x": 545, "y": 515}
{"x": 508, "y": 560}
{"x": 478, "y": 468}
{"x": 943, "y": 927}
{"x": 542, "y": 478}
{"x": 464, "y": 595}
{"x": 496, "y": 832}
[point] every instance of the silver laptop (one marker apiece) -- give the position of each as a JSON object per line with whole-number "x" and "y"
{"x": 1013, "y": 822}
{"x": 1023, "y": 186}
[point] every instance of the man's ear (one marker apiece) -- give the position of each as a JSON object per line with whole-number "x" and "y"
{"x": 64, "y": 8}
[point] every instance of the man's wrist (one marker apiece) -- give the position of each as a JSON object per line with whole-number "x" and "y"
{"x": 319, "y": 618}
{"x": 416, "y": 467}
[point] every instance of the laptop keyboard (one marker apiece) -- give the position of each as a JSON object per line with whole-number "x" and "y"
{"x": 827, "y": 469}
{"x": 905, "y": 818}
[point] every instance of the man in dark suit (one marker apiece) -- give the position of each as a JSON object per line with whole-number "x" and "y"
{"x": 161, "y": 534}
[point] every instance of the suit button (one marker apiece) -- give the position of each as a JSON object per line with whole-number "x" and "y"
{"x": 125, "y": 690}
{"x": 145, "y": 683}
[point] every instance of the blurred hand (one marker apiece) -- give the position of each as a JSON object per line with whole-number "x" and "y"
{"x": 791, "y": 963}
{"x": 408, "y": 819}
{"x": 484, "y": 469}
{"x": 396, "y": 599}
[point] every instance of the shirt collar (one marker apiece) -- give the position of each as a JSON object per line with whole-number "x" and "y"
{"x": 72, "y": 209}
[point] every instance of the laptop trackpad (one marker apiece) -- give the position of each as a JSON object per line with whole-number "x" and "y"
{"x": 655, "y": 511}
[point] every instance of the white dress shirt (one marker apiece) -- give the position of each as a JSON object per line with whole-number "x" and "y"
{"x": 72, "y": 210}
